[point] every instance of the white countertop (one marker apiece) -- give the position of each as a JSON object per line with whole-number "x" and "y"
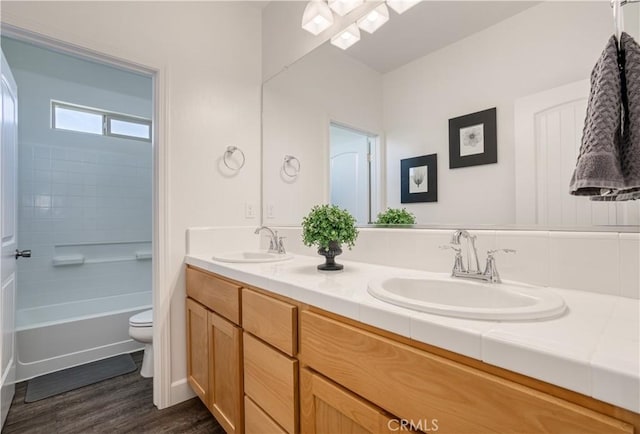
{"x": 593, "y": 349}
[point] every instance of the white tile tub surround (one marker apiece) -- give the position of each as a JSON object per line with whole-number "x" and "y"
{"x": 570, "y": 351}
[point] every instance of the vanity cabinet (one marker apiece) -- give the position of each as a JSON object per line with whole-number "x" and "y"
{"x": 214, "y": 347}
{"x": 264, "y": 364}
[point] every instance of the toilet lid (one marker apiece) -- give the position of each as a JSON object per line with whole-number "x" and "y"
{"x": 142, "y": 319}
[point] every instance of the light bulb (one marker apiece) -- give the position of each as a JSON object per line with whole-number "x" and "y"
{"x": 343, "y": 7}
{"x": 317, "y": 17}
{"x": 347, "y": 37}
{"x": 374, "y": 19}
{"x": 319, "y": 20}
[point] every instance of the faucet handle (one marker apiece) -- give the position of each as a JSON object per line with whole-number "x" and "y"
{"x": 280, "y": 246}
{"x": 452, "y": 247}
{"x": 492, "y": 252}
{"x": 458, "y": 266}
{"x": 491, "y": 270}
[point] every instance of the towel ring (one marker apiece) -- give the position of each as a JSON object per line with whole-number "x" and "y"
{"x": 291, "y": 166}
{"x": 229, "y": 153}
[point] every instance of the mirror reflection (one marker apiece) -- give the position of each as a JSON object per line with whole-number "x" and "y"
{"x": 424, "y": 85}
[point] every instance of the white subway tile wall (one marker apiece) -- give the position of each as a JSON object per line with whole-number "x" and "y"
{"x": 83, "y": 196}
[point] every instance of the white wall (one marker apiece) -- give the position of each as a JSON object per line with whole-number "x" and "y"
{"x": 298, "y": 106}
{"x": 77, "y": 188}
{"x": 208, "y": 54}
{"x": 543, "y": 47}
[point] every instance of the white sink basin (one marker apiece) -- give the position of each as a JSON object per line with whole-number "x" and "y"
{"x": 251, "y": 256}
{"x": 469, "y": 299}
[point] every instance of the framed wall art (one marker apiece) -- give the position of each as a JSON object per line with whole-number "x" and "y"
{"x": 419, "y": 179}
{"x": 473, "y": 139}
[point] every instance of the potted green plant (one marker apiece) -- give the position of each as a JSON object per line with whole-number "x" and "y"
{"x": 328, "y": 226}
{"x": 396, "y": 216}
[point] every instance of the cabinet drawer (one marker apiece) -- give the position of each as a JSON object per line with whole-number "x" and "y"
{"x": 217, "y": 294}
{"x": 271, "y": 380}
{"x": 257, "y": 421}
{"x": 417, "y": 385}
{"x": 273, "y": 321}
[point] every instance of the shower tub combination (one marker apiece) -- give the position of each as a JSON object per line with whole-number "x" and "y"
{"x": 59, "y": 336}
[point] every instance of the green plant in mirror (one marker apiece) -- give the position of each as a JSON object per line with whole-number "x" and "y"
{"x": 396, "y": 216}
{"x": 327, "y": 223}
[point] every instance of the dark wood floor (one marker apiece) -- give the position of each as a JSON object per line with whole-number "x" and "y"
{"x": 122, "y": 404}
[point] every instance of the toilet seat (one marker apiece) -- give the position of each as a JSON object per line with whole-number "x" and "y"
{"x": 142, "y": 319}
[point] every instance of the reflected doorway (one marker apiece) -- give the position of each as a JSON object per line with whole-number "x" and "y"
{"x": 351, "y": 157}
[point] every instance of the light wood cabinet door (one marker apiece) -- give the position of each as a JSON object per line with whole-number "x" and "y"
{"x": 198, "y": 349}
{"x": 326, "y": 408}
{"x": 225, "y": 373}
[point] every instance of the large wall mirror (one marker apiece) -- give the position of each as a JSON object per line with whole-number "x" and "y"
{"x": 338, "y": 124}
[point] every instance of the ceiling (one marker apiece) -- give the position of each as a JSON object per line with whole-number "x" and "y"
{"x": 258, "y": 4}
{"x": 427, "y": 27}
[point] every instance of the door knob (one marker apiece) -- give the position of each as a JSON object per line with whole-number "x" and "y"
{"x": 23, "y": 253}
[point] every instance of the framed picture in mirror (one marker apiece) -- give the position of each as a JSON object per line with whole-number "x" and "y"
{"x": 473, "y": 139}
{"x": 419, "y": 179}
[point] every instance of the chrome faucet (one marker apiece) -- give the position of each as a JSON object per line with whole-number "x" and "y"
{"x": 472, "y": 270}
{"x": 473, "y": 265}
{"x": 276, "y": 244}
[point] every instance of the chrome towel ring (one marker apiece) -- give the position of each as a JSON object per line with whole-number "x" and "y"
{"x": 291, "y": 166}
{"x": 227, "y": 156}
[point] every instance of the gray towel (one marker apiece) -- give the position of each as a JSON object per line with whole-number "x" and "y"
{"x": 630, "y": 145}
{"x": 598, "y": 165}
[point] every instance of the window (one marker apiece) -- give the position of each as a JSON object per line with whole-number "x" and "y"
{"x": 94, "y": 121}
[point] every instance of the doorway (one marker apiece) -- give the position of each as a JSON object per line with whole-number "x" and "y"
{"x": 352, "y": 171}
{"x": 85, "y": 205}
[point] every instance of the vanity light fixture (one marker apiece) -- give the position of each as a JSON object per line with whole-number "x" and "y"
{"x": 343, "y": 7}
{"x": 401, "y": 6}
{"x": 317, "y": 17}
{"x": 347, "y": 37}
{"x": 374, "y": 19}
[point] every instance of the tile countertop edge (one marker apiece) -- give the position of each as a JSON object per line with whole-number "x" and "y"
{"x": 284, "y": 278}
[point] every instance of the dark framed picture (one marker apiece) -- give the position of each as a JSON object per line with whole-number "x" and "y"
{"x": 419, "y": 179}
{"x": 473, "y": 139}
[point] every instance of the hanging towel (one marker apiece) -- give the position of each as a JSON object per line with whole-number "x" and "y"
{"x": 630, "y": 144}
{"x": 598, "y": 167}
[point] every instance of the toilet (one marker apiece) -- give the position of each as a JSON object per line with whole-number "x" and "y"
{"x": 141, "y": 330}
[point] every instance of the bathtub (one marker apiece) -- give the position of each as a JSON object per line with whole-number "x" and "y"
{"x": 59, "y": 336}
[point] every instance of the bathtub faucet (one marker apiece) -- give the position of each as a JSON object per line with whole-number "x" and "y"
{"x": 275, "y": 243}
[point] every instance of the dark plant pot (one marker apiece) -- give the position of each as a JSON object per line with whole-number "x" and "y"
{"x": 330, "y": 255}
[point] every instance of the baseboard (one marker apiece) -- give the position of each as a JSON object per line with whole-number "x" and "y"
{"x": 180, "y": 391}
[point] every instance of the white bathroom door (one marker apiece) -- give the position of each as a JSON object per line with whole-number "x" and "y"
{"x": 8, "y": 235}
{"x": 350, "y": 172}
{"x": 548, "y": 133}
